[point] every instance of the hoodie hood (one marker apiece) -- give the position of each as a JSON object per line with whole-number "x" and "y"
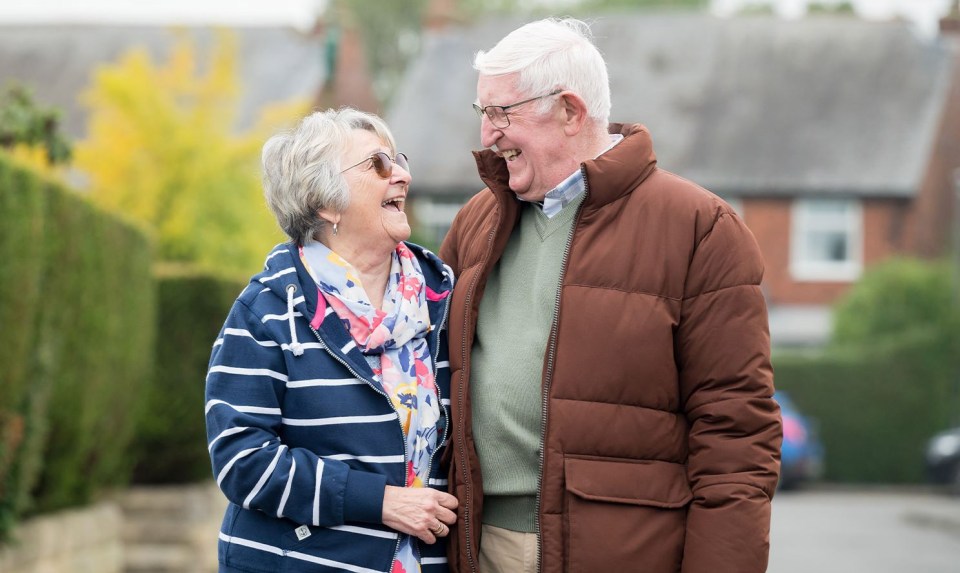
{"x": 285, "y": 277}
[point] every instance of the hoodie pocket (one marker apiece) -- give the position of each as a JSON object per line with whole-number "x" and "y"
{"x": 624, "y": 515}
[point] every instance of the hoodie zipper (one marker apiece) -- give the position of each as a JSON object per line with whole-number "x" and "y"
{"x": 371, "y": 383}
{"x": 551, "y": 356}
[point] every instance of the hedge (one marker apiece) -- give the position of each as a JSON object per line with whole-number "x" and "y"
{"x": 78, "y": 313}
{"x": 171, "y": 440}
{"x": 878, "y": 405}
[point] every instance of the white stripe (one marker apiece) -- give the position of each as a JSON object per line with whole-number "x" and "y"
{"x": 283, "y": 316}
{"x": 225, "y": 433}
{"x": 304, "y": 345}
{"x": 444, "y": 401}
{"x": 265, "y": 289}
{"x": 324, "y": 382}
{"x": 263, "y": 478}
{"x": 286, "y": 490}
{"x": 244, "y": 409}
{"x": 398, "y": 459}
{"x": 316, "y": 494}
{"x": 285, "y": 271}
{"x": 443, "y": 364}
{"x": 330, "y": 563}
{"x": 366, "y": 531}
{"x": 247, "y": 372}
{"x": 348, "y": 347}
{"x": 433, "y": 560}
{"x": 251, "y": 544}
{"x": 339, "y": 420}
{"x": 226, "y": 469}
{"x": 273, "y": 254}
{"x": 245, "y": 332}
{"x": 437, "y": 482}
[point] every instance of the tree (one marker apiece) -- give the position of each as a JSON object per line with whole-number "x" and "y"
{"x": 161, "y": 149}
{"x": 30, "y": 132}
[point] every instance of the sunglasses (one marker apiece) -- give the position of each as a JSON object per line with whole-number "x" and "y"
{"x": 383, "y": 164}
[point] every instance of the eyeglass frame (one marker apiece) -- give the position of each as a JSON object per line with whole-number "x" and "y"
{"x": 482, "y": 111}
{"x": 391, "y": 161}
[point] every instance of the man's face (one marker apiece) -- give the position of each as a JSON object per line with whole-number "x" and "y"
{"x": 532, "y": 144}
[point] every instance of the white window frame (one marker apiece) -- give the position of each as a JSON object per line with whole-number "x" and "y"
{"x": 804, "y": 222}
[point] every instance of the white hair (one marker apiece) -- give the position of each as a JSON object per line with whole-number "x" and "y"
{"x": 301, "y": 168}
{"x": 552, "y": 54}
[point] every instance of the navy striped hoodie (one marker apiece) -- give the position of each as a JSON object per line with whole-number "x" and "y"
{"x": 302, "y": 437}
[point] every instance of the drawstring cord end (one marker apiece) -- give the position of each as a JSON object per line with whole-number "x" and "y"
{"x": 295, "y": 347}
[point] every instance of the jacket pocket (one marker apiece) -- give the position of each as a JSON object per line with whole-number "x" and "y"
{"x": 625, "y": 515}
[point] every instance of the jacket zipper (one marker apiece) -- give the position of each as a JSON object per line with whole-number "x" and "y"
{"x": 551, "y": 355}
{"x": 463, "y": 360}
{"x": 371, "y": 384}
{"x": 436, "y": 354}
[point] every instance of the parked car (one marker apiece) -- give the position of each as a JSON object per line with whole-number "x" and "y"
{"x": 801, "y": 455}
{"x": 943, "y": 459}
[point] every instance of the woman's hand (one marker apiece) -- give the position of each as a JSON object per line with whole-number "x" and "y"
{"x": 423, "y": 512}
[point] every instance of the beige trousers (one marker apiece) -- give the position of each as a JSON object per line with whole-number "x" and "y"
{"x": 505, "y": 551}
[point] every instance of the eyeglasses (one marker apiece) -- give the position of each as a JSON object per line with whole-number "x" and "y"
{"x": 497, "y": 114}
{"x": 383, "y": 164}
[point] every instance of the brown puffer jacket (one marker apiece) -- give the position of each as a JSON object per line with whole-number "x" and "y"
{"x": 661, "y": 437}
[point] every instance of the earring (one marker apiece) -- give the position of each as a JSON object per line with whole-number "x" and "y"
{"x": 334, "y": 229}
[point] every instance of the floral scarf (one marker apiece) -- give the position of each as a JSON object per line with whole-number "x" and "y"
{"x": 397, "y": 333}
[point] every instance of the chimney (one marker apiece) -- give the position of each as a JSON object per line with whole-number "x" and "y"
{"x": 950, "y": 24}
{"x": 441, "y": 14}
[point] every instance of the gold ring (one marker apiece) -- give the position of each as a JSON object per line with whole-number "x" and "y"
{"x": 439, "y": 529}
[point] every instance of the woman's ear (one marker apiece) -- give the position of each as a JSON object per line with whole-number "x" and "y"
{"x": 574, "y": 112}
{"x": 329, "y": 216}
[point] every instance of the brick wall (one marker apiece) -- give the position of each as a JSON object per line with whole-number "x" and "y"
{"x": 887, "y": 224}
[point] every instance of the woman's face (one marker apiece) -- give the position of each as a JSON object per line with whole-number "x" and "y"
{"x": 375, "y": 217}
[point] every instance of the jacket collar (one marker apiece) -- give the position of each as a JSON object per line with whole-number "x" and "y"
{"x": 609, "y": 177}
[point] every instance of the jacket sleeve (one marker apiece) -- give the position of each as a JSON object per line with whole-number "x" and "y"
{"x": 252, "y": 466}
{"x": 723, "y": 353}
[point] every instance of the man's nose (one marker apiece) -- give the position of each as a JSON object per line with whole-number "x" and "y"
{"x": 489, "y": 134}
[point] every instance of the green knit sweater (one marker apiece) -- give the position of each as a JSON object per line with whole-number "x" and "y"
{"x": 507, "y": 364}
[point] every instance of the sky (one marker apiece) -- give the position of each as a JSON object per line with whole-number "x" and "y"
{"x": 924, "y": 14}
{"x": 301, "y": 14}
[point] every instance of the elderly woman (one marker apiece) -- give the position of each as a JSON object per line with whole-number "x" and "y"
{"x": 327, "y": 394}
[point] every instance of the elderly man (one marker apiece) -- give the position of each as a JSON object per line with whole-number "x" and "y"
{"x": 612, "y": 393}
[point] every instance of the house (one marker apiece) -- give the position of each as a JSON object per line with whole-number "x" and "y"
{"x": 837, "y": 140}
{"x": 57, "y": 62}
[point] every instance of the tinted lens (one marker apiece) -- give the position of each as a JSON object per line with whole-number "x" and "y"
{"x": 401, "y": 160}
{"x": 382, "y": 164}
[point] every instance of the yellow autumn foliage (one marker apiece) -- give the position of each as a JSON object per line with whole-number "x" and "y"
{"x": 162, "y": 148}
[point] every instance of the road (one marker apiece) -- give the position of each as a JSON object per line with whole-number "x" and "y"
{"x": 865, "y": 531}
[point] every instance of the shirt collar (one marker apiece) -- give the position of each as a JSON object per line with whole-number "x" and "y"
{"x": 571, "y": 187}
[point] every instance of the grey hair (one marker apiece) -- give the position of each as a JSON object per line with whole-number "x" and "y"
{"x": 552, "y": 54}
{"x": 301, "y": 169}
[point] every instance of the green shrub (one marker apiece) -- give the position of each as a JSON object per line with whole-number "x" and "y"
{"x": 22, "y": 205}
{"x": 171, "y": 440}
{"x": 897, "y": 296}
{"x": 78, "y": 312}
{"x": 877, "y": 405}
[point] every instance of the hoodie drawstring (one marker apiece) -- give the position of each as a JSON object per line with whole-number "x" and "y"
{"x": 295, "y": 345}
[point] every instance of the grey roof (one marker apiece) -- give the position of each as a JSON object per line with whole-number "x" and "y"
{"x": 57, "y": 62}
{"x": 743, "y": 106}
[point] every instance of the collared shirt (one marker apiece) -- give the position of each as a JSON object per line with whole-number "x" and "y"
{"x": 571, "y": 187}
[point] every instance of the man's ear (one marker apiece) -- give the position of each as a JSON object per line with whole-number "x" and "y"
{"x": 574, "y": 112}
